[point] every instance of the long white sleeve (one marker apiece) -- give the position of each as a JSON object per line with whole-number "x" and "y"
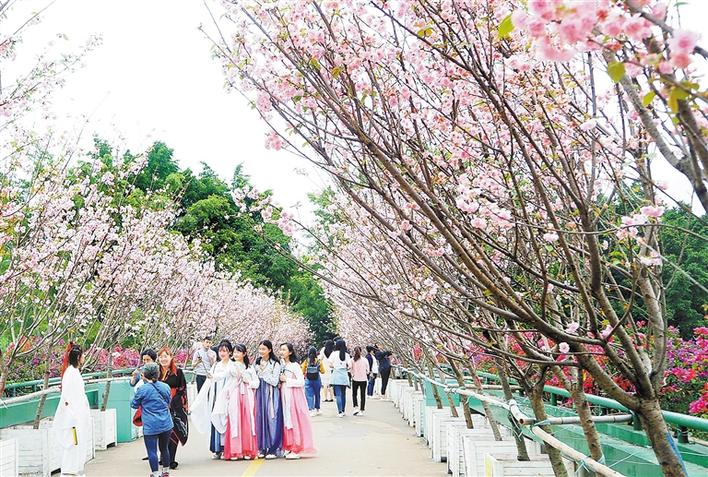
{"x": 294, "y": 376}
{"x": 221, "y": 371}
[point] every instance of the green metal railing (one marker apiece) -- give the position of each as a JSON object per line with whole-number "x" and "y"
{"x": 626, "y": 447}
{"x": 682, "y": 421}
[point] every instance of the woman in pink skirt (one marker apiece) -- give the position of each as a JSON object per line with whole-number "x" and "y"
{"x": 240, "y": 435}
{"x": 297, "y": 430}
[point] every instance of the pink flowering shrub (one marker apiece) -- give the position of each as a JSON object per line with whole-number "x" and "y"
{"x": 33, "y": 367}
{"x": 686, "y": 388}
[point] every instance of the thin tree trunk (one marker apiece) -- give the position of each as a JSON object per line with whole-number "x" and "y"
{"x": 521, "y": 450}
{"x": 582, "y": 407}
{"x": 463, "y": 399}
{"x": 436, "y": 394}
{"x": 536, "y": 398}
{"x": 485, "y": 405}
{"x": 660, "y": 437}
{"x": 42, "y": 398}
{"x": 107, "y": 389}
{"x": 3, "y": 374}
{"x": 450, "y": 401}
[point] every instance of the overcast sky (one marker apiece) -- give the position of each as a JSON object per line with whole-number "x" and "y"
{"x": 153, "y": 78}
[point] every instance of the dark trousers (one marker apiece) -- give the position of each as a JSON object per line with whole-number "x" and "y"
{"x": 152, "y": 443}
{"x": 173, "y": 451}
{"x": 372, "y": 383}
{"x": 385, "y": 374}
{"x": 200, "y": 382}
{"x": 361, "y": 387}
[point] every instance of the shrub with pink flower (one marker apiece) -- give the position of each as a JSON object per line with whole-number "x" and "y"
{"x": 686, "y": 387}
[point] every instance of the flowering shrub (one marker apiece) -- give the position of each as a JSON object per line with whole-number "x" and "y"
{"x": 33, "y": 367}
{"x": 686, "y": 387}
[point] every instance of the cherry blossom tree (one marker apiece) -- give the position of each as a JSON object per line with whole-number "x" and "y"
{"x": 494, "y": 166}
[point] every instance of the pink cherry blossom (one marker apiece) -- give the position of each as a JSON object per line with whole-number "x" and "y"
{"x": 652, "y": 211}
{"x": 550, "y": 237}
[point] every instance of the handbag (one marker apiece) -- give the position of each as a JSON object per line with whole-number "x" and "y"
{"x": 138, "y": 417}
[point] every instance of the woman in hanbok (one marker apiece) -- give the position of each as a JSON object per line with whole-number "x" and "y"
{"x": 72, "y": 421}
{"x": 210, "y": 409}
{"x": 222, "y": 375}
{"x": 269, "y": 412}
{"x": 240, "y": 436}
{"x": 297, "y": 430}
{"x": 171, "y": 375}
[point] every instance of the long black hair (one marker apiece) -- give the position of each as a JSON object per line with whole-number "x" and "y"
{"x": 328, "y": 348}
{"x": 149, "y": 352}
{"x": 341, "y": 346}
{"x": 226, "y": 344}
{"x": 293, "y": 357}
{"x": 271, "y": 354}
{"x": 242, "y": 348}
{"x": 312, "y": 355}
{"x": 75, "y": 355}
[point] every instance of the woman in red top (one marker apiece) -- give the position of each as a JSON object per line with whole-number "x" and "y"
{"x": 171, "y": 375}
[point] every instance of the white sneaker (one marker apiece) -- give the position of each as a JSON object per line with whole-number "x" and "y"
{"x": 313, "y": 413}
{"x": 361, "y": 413}
{"x": 292, "y": 456}
{"x": 355, "y": 413}
{"x": 341, "y": 414}
{"x": 319, "y": 413}
{"x": 271, "y": 457}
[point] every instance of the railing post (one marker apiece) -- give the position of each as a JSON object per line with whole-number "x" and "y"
{"x": 682, "y": 434}
{"x": 554, "y": 399}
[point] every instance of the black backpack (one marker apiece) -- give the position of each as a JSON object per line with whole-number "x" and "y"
{"x": 313, "y": 370}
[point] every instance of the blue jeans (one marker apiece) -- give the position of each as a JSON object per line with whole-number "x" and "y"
{"x": 151, "y": 444}
{"x": 372, "y": 383}
{"x": 312, "y": 392}
{"x": 340, "y": 394}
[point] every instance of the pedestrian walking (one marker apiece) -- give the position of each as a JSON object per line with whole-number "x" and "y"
{"x": 154, "y": 400}
{"x": 340, "y": 363}
{"x": 360, "y": 374}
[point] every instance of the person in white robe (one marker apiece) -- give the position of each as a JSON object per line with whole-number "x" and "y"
{"x": 72, "y": 420}
{"x": 209, "y": 411}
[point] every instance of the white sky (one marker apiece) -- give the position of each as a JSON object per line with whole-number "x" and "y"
{"x": 153, "y": 78}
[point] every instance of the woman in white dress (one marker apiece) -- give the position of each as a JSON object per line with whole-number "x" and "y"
{"x": 72, "y": 421}
{"x": 210, "y": 407}
{"x": 324, "y": 357}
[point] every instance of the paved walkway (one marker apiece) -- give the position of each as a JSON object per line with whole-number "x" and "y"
{"x": 380, "y": 444}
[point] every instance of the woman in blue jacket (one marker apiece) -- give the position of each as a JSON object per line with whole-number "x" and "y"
{"x": 154, "y": 399}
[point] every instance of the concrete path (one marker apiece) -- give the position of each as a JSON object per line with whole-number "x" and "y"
{"x": 379, "y": 444}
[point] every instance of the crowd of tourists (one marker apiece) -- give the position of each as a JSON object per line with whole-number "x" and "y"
{"x": 250, "y": 409}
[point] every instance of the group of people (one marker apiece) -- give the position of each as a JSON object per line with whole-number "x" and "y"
{"x": 250, "y": 410}
{"x": 340, "y": 371}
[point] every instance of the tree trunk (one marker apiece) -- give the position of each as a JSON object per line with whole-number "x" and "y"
{"x": 463, "y": 399}
{"x": 3, "y": 376}
{"x": 450, "y": 401}
{"x": 521, "y": 452}
{"x": 436, "y": 394}
{"x": 485, "y": 405}
{"x": 582, "y": 407}
{"x": 660, "y": 437}
{"x": 107, "y": 389}
{"x": 536, "y": 398}
{"x": 42, "y": 400}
